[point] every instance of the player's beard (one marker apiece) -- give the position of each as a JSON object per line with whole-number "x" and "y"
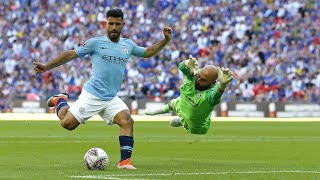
{"x": 114, "y": 35}
{"x": 201, "y": 88}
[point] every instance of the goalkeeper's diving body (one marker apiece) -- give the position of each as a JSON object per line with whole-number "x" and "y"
{"x": 198, "y": 96}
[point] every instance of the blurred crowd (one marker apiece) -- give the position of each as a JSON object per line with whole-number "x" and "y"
{"x": 271, "y": 45}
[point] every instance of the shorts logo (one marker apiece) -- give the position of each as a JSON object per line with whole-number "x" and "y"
{"x": 82, "y": 110}
{"x": 125, "y": 50}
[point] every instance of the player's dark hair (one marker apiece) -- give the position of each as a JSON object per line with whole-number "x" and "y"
{"x": 116, "y": 13}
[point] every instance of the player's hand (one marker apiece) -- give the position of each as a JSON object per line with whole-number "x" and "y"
{"x": 39, "y": 67}
{"x": 225, "y": 77}
{"x": 192, "y": 64}
{"x": 167, "y": 32}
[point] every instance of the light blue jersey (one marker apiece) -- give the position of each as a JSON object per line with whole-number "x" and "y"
{"x": 109, "y": 61}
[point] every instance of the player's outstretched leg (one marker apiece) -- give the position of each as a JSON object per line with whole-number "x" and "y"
{"x": 58, "y": 101}
{"x": 154, "y": 110}
{"x": 53, "y": 100}
{"x": 67, "y": 119}
{"x": 175, "y": 122}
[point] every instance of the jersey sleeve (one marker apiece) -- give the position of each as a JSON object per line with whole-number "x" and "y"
{"x": 86, "y": 48}
{"x": 137, "y": 50}
{"x": 186, "y": 71}
{"x": 213, "y": 96}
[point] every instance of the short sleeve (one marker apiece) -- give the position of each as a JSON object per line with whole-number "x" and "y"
{"x": 85, "y": 48}
{"x": 137, "y": 50}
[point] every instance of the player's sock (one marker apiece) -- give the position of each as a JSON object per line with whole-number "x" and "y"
{"x": 61, "y": 102}
{"x": 126, "y": 146}
{"x": 154, "y": 110}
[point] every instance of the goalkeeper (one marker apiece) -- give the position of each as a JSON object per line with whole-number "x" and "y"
{"x": 198, "y": 96}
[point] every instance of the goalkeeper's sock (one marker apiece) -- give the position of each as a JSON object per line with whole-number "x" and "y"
{"x": 126, "y": 146}
{"x": 61, "y": 102}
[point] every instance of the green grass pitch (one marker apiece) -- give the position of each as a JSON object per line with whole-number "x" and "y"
{"x": 230, "y": 150}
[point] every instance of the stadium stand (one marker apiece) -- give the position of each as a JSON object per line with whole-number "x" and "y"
{"x": 272, "y": 46}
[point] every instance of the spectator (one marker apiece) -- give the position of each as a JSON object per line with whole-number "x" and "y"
{"x": 275, "y": 42}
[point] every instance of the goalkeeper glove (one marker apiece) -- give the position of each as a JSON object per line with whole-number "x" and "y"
{"x": 192, "y": 64}
{"x": 225, "y": 77}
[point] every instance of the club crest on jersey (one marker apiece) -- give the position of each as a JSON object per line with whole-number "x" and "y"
{"x": 198, "y": 95}
{"x": 82, "y": 110}
{"x": 126, "y": 50}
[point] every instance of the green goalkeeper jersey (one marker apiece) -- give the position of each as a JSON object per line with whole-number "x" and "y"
{"x": 195, "y": 106}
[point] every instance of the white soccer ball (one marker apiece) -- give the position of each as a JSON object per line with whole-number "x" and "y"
{"x": 96, "y": 159}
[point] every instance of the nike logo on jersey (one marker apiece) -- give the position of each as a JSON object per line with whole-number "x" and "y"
{"x": 108, "y": 48}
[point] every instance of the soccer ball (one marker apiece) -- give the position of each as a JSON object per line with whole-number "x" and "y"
{"x": 96, "y": 159}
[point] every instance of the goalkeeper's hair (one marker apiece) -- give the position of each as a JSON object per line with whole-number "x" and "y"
{"x": 116, "y": 13}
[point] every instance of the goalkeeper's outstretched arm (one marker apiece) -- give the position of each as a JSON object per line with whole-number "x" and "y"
{"x": 189, "y": 67}
{"x": 225, "y": 76}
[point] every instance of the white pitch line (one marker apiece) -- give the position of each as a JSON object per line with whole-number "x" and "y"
{"x": 53, "y": 117}
{"x": 196, "y": 173}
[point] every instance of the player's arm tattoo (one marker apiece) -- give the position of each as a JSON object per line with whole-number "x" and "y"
{"x": 62, "y": 59}
{"x": 154, "y": 49}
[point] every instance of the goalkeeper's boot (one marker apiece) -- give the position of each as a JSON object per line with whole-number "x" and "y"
{"x": 154, "y": 110}
{"x": 125, "y": 164}
{"x": 53, "y": 100}
{"x": 175, "y": 122}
